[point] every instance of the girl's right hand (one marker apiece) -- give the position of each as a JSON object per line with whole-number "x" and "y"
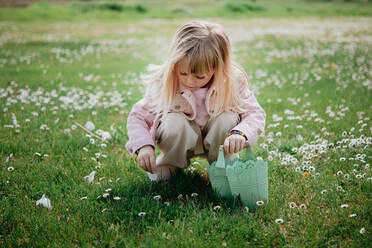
{"x": 146, "y": 159}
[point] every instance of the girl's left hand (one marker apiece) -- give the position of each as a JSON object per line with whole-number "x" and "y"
{"x": 234, "y": 143}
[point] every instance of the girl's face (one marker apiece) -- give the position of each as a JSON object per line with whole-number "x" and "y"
{"x": 190, "y": 80}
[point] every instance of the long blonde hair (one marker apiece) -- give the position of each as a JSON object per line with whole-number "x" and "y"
{"x": 206, "y": 47}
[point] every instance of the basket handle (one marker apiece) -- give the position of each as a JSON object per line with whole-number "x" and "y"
{"x": 249, "y": 153}
{"x": 221, "y": 159}
{"x": 220, "y": 163}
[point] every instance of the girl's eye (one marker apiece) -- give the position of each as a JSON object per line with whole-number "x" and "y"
{"x": 199, "y": 77}
{"x": 183, "y": 74}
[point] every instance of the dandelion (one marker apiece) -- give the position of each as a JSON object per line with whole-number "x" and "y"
{"x": 306, "y": 174}
{"x": 84, "y": 198}
{"x": 179, "y": 197}
{"x": 270, "y": 158}
{"x": 303, "y": 206}
{"x": 362, "y": 231}
{"x": 91, "y": 141}
{"x": 216, "y": 208}
{"x": 140, "y": 214}
{"x": 116, "y": 198}
{"x": 344, "y": 206}
{"x": 44, "y": 202}
{"x": 194, "y": 194}
{"x": 157, "y": 197}
{"x": 10, "y": 168}
{"x": 292, "y": 205}
{"x": 352, "y": 215}
{"x": 89, "y": 125}
{"x": 279, "y": 221}
{"x": 339, "y": 173}
{"x": 323, "y": 191}
{"x": 259, "y": 203}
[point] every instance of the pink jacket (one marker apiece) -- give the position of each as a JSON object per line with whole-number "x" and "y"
{"x": 142, "y": 124}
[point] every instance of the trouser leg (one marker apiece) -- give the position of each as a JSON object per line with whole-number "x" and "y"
{"x": 177, "y": 139}
{"x": 217, "y": 130}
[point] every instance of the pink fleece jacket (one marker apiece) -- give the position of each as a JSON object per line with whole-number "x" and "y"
{"x": 142, "y": 124}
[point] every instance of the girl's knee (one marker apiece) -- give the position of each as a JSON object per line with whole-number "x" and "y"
{"x": 226, "y": 121}
{"x": 174, "y": 123}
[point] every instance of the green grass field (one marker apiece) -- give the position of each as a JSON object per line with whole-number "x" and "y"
{"x": 61, "y": 65}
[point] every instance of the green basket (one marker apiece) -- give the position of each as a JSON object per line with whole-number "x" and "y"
{"x": 217, "y": 176}
{"x": 247, "y": 179}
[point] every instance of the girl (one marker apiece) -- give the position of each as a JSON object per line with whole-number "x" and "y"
{"x": 195, "y": 102}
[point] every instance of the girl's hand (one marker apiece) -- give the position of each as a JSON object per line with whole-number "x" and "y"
{"x": 146, "y": 159}
{"x": 234, "y": 143}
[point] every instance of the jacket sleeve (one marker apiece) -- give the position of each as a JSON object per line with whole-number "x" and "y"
{"x": 252, "y": 122}
{"x": 140, "y": 120}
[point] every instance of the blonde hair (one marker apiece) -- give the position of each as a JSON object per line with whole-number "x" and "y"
{"x": 206, "y": 47}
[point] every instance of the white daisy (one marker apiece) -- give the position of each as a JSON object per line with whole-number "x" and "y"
{"x": 292, "y": 205}
{"x": 216, "y": 208}
{"x": 141, "y": 214}
{"x": 303, "y": 206}
{"x": 279, "y": 221}
{"x": 259, "y": 203}
{"x": 157, "y": 197}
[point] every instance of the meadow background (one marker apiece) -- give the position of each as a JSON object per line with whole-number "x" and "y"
{"x": 64, "y": 63}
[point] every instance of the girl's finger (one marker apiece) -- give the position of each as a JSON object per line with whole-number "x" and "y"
{"x": 141, "y": 163}
{"x": 148, "y": 163}
{"x": 237, "y": 146}
{"x": 226, "y": 145}
{"x": 232, "y": 146}
{"x": 153, "y": 163}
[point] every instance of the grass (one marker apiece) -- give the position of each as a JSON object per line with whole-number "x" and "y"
{"x": 135, "y": 10}
{"x": 315, "y": 87}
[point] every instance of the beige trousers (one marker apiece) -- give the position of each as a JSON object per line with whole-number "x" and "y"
{"x": 179, "y": 140}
